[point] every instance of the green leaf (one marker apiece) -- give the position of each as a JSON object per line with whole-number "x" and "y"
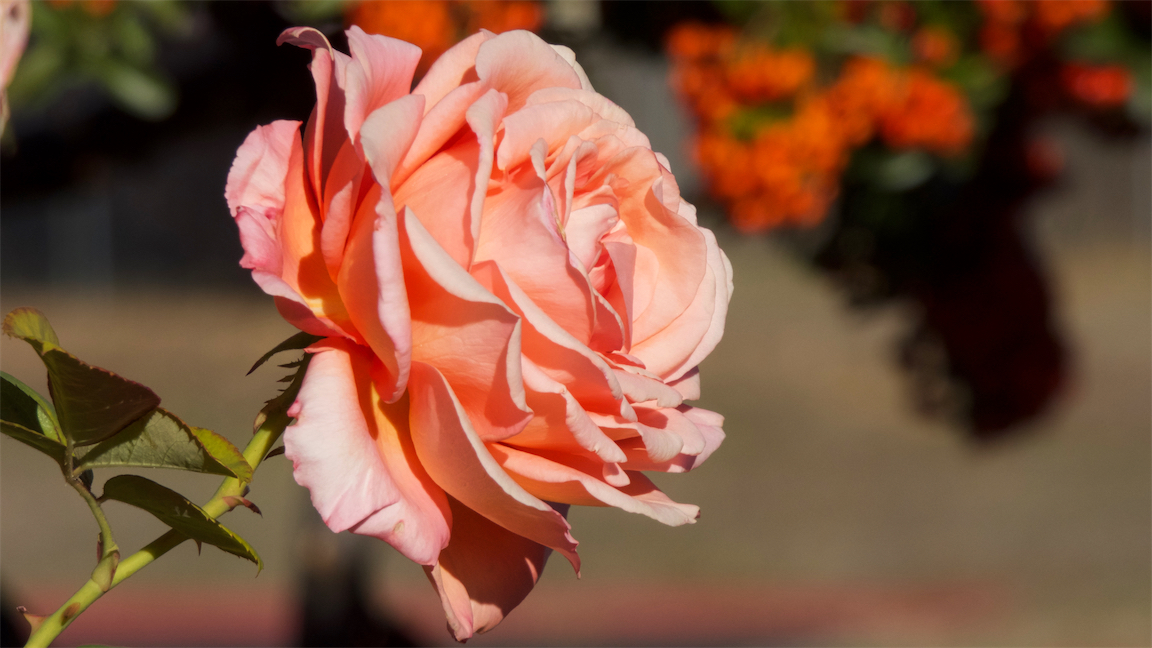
{"x": 301, "y": 340}
{"x": 32, "y": 326}
{"x": 176, "y": 511}
{"x": 903, "y": 171}
{"x": 274, "y": 415}
{"x": 161, "y": 440}
{"x": 50, "y": 447}
{"x": 142, "y": 92}
{"x": 92, "y": 404}
{"x": 20, "y": 404}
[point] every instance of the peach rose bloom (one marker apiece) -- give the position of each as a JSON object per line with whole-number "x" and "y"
{"x": 513, "y": 296}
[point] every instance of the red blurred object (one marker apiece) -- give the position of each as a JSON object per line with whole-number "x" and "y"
{"x": 1098, "y": 86}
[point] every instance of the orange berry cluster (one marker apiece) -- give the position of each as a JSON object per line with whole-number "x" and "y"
{"x": 773, "y": 143}
{"x": 436, "y": 25}
{"x": 1014, "y": 29}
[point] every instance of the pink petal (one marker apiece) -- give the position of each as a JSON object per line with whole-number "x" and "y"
{"x": 484, "y": 573}
{"x": 330, "y": 447}
{"x": 639, "y": 386}
{"x": 572, "y": 480}
{"x": 553, "y": 122}
{"x": 454, "y": 68}
{"x": 518, "y": 63}
{"x": 380, "y": 71}
{"x": 560, "y": 422}
{"x": 453, "y": 217}
{"x": 601, "y": 105}
{"x": 371, "y": 276}
{"x": 280, "y": 231}
{"x": 339, "y": 203}
{"x": 256, "y": 179}
{"x": 569, "y": 56}
{"x": 418, "y": 523}
{"x": 325, "y": 133}
{"x": 688, "y": 385}
{"x": 557, "y": 353}
{"x": 461, "y": 464}
{"x": 442, "y": 121}
{"x": 678, "y": 246}
{"x": 520, "y": 217}
{"x": 466, "y": 333}
{"x": 258, "y": 238}
{"x": 707, "y": 423}
{"x": 689, "y": 339}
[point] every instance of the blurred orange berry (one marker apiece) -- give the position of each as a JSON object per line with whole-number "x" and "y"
{"x": 1054, "y": 16}
{"x": 759, "y": 74}
{"x": 935, "y": 46}
{"x": 695, "y": 40}
{"x": 1098, "y": 86}
{"x": 933, "y": 115}
{"x": 1003, "y": 12}
{"x": 501, "y": 16}
{"x": 436, "y": 25}
{"x": 1001, "y": 43}
{"x": 426, "y": 24}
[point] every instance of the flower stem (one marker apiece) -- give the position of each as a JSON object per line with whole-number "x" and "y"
{"x": 54, "y": 624}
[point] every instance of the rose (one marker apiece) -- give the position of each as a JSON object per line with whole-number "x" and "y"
{"x": 513, "y": 296}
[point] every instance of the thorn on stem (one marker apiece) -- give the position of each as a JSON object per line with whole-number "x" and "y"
{"x": 34, "y": 620}
{"x": 233, "y": 502}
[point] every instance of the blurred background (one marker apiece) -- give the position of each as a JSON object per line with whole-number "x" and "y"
{"x": 937, "y": 372}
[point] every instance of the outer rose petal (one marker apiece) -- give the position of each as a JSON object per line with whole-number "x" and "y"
{"x": 453, "y": 69}
{"x": 564, "y": 479}
{"x": 463, "y": 466}
{"x": 256, "y": 179}
{"x": 371, "y": 278}
{"x": 380, "y": 72}
{"x": 357, "y": 460}
{"x": 518, "y": 63}
{"x": 484, "y": 572}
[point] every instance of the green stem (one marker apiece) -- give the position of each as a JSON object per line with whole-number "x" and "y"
{"x": 53, "y": 625}
{"x": 107, "y": 544}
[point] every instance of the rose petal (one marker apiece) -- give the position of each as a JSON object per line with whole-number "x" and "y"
{"x": 518, "y": 63}
{"x": 454, "y": 216}
{"x": 455, "y": 68}
{"x": 355, "y": 456}
{"x": 418, "y": 523}
{"x": 325, "y": 133}
{"x": 256, "y": 179}
{"x": 484, "y": 573}
{"x": 466, "y": 332}
{"x": 707, "y": 423}
{"x": 559, "y": 421}
{"x": 371, "y": 278}
{"x": 379, "y": 71}
{"x": 564, "y": 479}
{"x": 554, "y": 350}
{"x": 461, "y": 464}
